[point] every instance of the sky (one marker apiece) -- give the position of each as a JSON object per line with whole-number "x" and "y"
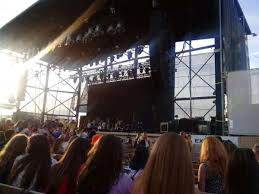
{"x": 251, "y": 11}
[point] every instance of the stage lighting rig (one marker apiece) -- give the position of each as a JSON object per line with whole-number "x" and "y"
{"x": 95, "y": 79}
{"x": 101, "y": 75}
{"x": 130, "y": 54}
{"x": 141, "y": 68}
{"x": 139, "y": 49}
{"x": 147, "y": 70}
{"x": 112, "y": 59}
{"x": 119, "y": 55}
{"x": 134, "y": 73}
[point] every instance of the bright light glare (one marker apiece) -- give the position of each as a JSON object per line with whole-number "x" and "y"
{"x": 10, "y": 74}
{"x": 9, "y": 9}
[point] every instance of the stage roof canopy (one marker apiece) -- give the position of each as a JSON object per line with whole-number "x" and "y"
{"x": 115, "y": 27}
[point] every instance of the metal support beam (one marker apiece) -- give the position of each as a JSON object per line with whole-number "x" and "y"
{"x": 105, "y": 70}
{"x": 190, "y": 76}
{"x": 220, "y": 118}
{"x": 162, "y": 63}
{"x": 45, "y": 94}
{"x": 79, "y": 93}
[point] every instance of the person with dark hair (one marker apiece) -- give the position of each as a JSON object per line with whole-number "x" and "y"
{"x": 30, "y": 126}
{"x": 31, "y": 170}
{"x": 230, "y": 147}
{"x": 14, "y": 148}
{"x": 256, "y": 151}
{"x": 102, "y": 172}
{"x": 64, "y": 173}
{"x": 242, "y": 173}
{"x": 168, "y": 169}
{"x": 18, "y": 127}
{"x": 139, "y": 159}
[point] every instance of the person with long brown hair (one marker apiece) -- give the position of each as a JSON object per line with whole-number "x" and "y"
{"x": 31, "y": 170}
{"x": 63, "y": 174}
{"x": 169, "y": 168}
{"x": 242, "y": 173}
{"x": 102, "y": 172}
{"x": 14, "y": 148}
{"x": 213, "y": 159}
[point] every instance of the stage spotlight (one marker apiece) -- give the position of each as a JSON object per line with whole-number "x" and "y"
{"x": 119, "y": 55}
{"x": 139, "y": 49}
{"x": 87, "y": 79}
{"x": 141, "y": 69}
{"x": 134, "y": 73}
{"x": 147, "y": 70}
{"x": 110, "y": 29}
{"x": 101, "y": 76}
{"x": 116, "y": 75}
{"x": 108, "y": 76}
{"x": 129, "y": 72}
{"x": 78, "y": 38}
{"x": 95, "y": 79}
{"x": 130, "y": 55}
{"x": 112, "y": 59}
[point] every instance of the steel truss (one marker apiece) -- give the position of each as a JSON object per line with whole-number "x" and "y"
{"x": 39, "y": 79}
{"x": 191, "y": 75}
{"x": 41, "y": 92}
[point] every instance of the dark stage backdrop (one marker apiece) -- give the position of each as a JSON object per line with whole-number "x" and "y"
{"x": 130, "y": 100}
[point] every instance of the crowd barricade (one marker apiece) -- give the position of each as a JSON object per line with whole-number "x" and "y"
{"x": 8, "y": 189}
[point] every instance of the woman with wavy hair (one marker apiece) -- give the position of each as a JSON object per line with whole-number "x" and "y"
{"x": 14, "y": 148}
{"x": 102, "y": 172}
{"x": 31, "y": 170}
{"x": 169, "y": 168}
{"x": 63, "y": 174}
{"x": 213, "y": 159}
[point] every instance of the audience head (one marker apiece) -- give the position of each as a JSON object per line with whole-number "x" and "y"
{"x": 69, "y": 164}
{"x": 96, "y": 138}
{"x": 140, "y": 157}
{"x": 188, "y": 139}
{"x": 230, "y": 147}
{"x": 15, "y": 147}
{"x": 169, "y": 168}
{"x": 103, "y": 166}
{"x": 213, "y": 151}
{"x": 256, "y": 151}
{"x": 9, "y": 133}
{"x": 144, "y": 136}
{"x": 241, "y": 173}
{"x": 35, "y": 164}
{"x": 8, "y": 124}
{"x": 19, "y": 126}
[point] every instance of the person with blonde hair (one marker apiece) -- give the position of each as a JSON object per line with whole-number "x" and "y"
{"x": 14, "y": 148}
{"x": 169, "y": 168}
{"x": 213, "y": 159}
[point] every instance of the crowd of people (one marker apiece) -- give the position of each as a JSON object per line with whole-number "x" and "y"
{"x": 55, "y": 160}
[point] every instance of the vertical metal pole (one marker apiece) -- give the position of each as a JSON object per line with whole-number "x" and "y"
{"x": 79, "y": 94}
{"x": 190, "y": 76}
{"x": 220, "y": 118}
{"x": 45, "y": 94}
{"x": 105, "y": 70}
{"x": 136, "y": 58}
